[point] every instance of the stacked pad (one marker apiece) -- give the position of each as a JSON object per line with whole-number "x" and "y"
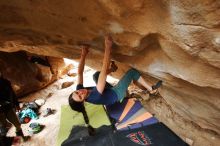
{"x": 130, "y": 114}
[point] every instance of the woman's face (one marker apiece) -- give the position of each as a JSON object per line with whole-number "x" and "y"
{"x": 80, "y": 95}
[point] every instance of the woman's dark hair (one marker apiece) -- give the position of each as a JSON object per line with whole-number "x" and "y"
{"x": 79, "y": 107}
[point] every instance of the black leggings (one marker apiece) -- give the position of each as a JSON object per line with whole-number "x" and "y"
{"x": 11, "y": 116}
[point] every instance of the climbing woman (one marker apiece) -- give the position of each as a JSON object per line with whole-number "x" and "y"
{"x": 103, "y": 93}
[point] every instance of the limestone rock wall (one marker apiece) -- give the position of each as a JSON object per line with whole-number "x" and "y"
{"x": 26, "y": 76}
{"x": 176, "y": 41}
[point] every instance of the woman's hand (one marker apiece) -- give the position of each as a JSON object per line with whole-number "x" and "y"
{"x": 108, "y": 42}
{"x": 85, "y": 50}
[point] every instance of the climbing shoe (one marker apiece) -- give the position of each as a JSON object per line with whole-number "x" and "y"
{"x": 157, "y": 85}
{"x": 155, "y": 88}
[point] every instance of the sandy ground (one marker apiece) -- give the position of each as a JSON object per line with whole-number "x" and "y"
{"x": 55, "y": 97}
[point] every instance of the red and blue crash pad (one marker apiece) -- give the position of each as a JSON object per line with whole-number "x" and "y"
{"x": 130, "y": 114}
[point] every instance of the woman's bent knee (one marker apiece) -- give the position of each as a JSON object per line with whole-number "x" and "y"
{"x": 96, "y": 76}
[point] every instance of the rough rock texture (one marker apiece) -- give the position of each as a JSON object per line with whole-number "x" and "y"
{"x": 176, "y": 41}
{"x": 26, "y": 76}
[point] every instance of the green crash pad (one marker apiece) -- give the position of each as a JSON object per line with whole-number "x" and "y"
{"x": 69, "y": 118}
